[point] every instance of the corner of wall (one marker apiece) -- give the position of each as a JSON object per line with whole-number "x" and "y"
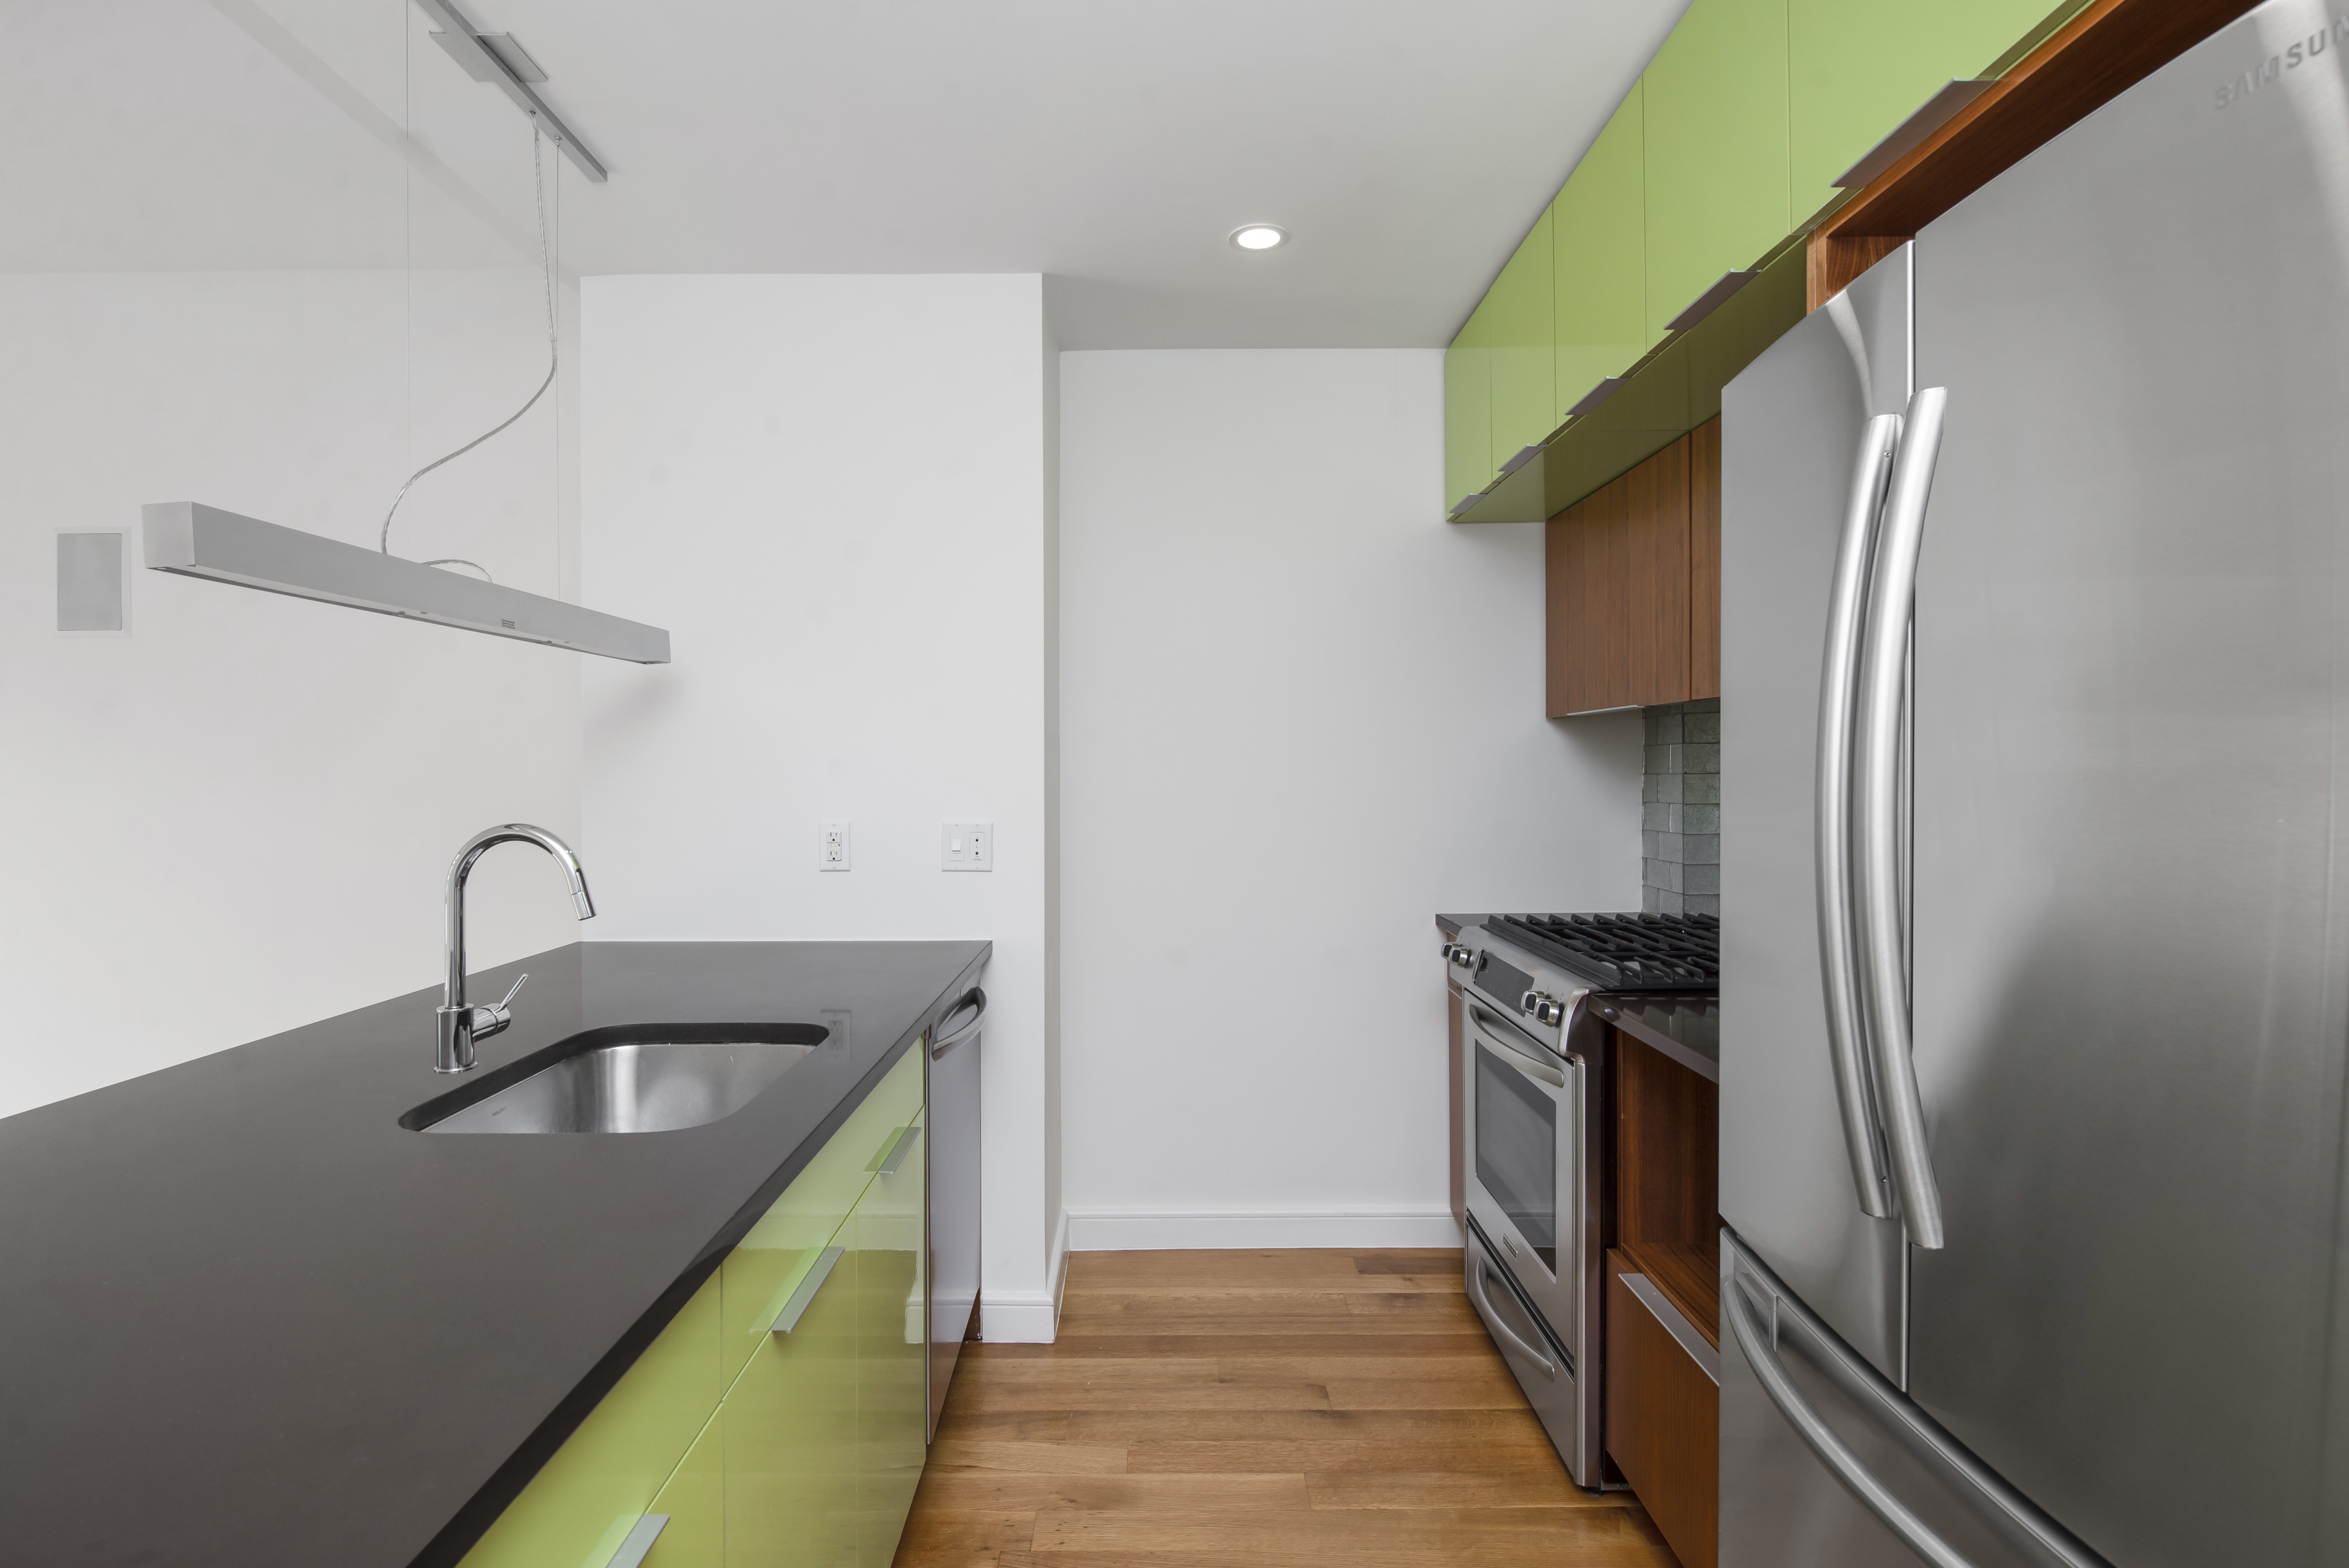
{"x": 1051, "y": 460}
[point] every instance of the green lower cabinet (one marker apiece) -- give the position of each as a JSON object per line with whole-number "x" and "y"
{"x": 791, "y": 1436}
{"x": 694, "y": 1503}
{"x": 759, "y": 1276}
{"x": 812, "y": 1458}
{"x": 893, "y": 1407}
{"x": 578, "y": 1508}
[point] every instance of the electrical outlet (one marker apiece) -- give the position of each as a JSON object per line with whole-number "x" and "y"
{"x": 967, "y": 846}
{"x": 832, "y": 847}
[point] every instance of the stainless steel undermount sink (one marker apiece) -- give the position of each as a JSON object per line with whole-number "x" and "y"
{"x": 646, "y": 1078}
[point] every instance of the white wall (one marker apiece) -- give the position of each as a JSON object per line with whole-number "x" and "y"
{"x": 832, "y": 490}
{"x": 1301, "y": 714}
{"x": 236, "y": 819}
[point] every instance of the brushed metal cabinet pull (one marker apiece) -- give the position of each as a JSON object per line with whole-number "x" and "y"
{"x": 796, "y": 1307}
{"x": 632, "y": 1551}
{"x": 893, "y": 1154}
{"x": 1676, "y": 1324}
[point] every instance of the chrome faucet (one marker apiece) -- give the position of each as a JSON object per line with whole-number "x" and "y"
{"x": 459, "y": 1026}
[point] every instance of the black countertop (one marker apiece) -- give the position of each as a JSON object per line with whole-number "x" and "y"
{"x": 245, "y": 1317}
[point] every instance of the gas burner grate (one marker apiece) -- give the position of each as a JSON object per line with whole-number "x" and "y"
{"x": 1623, "y": 952}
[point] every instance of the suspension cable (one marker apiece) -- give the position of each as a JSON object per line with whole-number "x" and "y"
{"x": 546, "y": 277}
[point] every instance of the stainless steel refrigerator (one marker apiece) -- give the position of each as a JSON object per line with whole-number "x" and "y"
{"x": 2035, "y": 858}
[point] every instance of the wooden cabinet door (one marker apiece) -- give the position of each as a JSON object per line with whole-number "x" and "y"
{"x": 1663, "y": 1424}
{"x": 1617, "y": 584}
{"x": 1658, "y": 586}
{"x": 1586, "y": 563}
{"x": 1704, "y": 560}
{"x": 1717, "y": 160}
{"x": 893, "y": 1354}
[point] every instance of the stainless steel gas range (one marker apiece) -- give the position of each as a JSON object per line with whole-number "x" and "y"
{"x": 1541, "y": 993}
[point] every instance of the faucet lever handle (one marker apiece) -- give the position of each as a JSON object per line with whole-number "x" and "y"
{"x": 507, "y": 1000}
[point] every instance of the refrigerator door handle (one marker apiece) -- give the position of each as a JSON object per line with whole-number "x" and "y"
{"x": 1857, "y": 1478}
{"x": 1986, "y": 1495}
{"x": 1884, "y": 970}
{"x": 1838, "y": 689}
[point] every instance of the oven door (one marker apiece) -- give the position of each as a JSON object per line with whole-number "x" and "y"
{"x": 1525, "y": 1165}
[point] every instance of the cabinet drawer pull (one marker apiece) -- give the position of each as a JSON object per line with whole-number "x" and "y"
{"x": 796, "y": 1308}
{"x": 893, "y": 1153}
{"x": 631, "y": 1553}
{"x": 1674, "y": 1323}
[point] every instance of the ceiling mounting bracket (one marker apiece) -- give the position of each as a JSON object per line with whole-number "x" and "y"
{"x": 497, "y": 59}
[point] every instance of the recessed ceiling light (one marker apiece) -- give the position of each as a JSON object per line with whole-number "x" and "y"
{"x": 1259, "y": 236}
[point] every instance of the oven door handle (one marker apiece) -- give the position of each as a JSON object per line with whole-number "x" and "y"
{"x": 1532, "y": 1067}
{"x": 1500, "y": 1326}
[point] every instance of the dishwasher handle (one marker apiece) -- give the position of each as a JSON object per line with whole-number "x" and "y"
{"x": 973, "y": 998}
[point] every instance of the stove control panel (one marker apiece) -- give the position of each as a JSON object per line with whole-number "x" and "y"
{"x": 1542, "y": 1008}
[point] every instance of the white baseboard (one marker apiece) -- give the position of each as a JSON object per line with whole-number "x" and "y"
{"x": 1059, "y": 1269}
{"x": 1101, "y": 1232}
{"x": 1029, "y": 1319}
{"x": 1018, "y": 1319}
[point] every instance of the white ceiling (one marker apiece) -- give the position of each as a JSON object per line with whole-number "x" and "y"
{"x": 1406, "y": 145}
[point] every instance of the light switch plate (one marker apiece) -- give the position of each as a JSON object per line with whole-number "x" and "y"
{"x": 832, "y": 846}
{"x": 967, "y": 847}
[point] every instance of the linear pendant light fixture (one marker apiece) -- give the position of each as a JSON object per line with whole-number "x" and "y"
{"x": 500, "y": 60}
{"x": 191, "y": 539}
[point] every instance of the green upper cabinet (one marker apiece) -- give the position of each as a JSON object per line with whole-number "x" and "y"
{"x": 1718, "y": 183}
{"x": 1858, "y": 67}
{"x": 1599, "y": 255}
{"x": 1468, "y": 411}
{"x": 1524, "y": 346}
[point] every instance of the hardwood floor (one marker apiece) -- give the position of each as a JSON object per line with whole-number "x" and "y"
{"x": 1277, "y": 1409}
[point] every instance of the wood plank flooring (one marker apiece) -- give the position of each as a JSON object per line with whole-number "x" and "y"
{"x": 1277, "y": 1409}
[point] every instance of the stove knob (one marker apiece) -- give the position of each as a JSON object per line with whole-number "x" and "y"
{"x": 1545, "y": 1009}
{"x": 1461, "y": 957}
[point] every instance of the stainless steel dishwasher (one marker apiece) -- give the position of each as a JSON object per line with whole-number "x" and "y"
{"x": 952, "y": 1096}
